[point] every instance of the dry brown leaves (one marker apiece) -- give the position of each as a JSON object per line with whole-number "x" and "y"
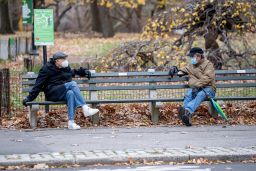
{"x": 133, "y": 115}
{"x": 130, "y": 162}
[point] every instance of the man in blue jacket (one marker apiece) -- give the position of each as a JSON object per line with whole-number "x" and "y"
{"x": 55, "y": 79}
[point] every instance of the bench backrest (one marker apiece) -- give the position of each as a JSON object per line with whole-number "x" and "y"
{"x": 151, "y": 80}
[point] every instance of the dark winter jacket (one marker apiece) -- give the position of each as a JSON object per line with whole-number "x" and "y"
{"x": 51, "y": 80}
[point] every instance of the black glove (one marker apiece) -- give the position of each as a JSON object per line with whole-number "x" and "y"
{"x": 24, "y": 101}
{"x": 173, "y": 71}
{"x": 84, "y": 72}
{"x": 88, "y": 74}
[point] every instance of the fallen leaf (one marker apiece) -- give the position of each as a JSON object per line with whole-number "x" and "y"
{"x": 41, "y": 166}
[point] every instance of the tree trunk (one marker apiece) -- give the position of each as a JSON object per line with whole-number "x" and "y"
{"x": 15, "y": 11}
{"x": 96, "y": 24}
{"x": 5, "y": 20}
{"x": 39, "y": 4}
{"x": 101, "y": 20}
{"x": 106, "y": 22}
{"x": 213, "y": 49}
{"x": 138, "y": 16}
{"x": 58, "y": 16}
{"x": 78, "y": 17}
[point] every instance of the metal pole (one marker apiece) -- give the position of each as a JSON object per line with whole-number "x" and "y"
{"x": 7, "y": 90}
{"x": 33, "y": 36}
{"x": 44, "y": 47}
{"x": 33, "y": 51}
{"x": 44, "y": 55}
{"x": 1, "y": 82}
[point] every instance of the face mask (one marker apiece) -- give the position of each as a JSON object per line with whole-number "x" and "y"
{"x": 64, "y": 64}
{"x": 193, "y": 61}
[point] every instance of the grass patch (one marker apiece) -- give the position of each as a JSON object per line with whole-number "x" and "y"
{"x": 80, "y": 48}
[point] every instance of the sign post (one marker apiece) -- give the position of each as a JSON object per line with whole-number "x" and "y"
{"x": 44, "y": 29}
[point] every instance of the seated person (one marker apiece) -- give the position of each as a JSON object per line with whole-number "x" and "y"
{"x": 55, "y": 79}
{"x": 201, "y": 76}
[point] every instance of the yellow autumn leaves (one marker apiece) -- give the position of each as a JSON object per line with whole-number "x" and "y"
{"x": 235, "y": 15}
{"x": 122, "y": 3}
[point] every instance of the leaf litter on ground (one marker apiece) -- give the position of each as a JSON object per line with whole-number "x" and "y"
{"x": 135, "y": 115}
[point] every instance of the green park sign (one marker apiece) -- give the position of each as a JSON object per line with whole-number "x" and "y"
{"x": 43, "y": 27}
{"x": 27, "y": 11}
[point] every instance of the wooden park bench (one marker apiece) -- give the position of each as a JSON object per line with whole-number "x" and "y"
{"x": 147, "y": 87}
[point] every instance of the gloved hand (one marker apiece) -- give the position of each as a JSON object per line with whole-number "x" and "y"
{"x": 181, "y": 74}
{"x": 84, "y": 72}
{"x": 173, "y": 71}
{"x": 88, "y": 74}
{"x": 24, "y": 101}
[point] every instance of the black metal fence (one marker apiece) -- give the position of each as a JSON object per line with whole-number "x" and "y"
{"x": 5, "y": 106}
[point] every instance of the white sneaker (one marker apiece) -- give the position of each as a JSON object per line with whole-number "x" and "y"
{"x": 89, "y": 111}
{"x": 72, "y": 125}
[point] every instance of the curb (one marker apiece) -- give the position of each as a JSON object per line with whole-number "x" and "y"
{"x": 116, "y": 156}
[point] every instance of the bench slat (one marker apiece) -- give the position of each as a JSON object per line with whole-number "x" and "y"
{"x": 142, "y": 87}
{"x": 138, "y": 100}
{"x": 153, "y": 87}
{"x": 158, "y": 73}
{"x": 138, "y": 80}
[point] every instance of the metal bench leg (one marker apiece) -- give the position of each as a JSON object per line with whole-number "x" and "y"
{"x": 211, "y": 109}
{"x": 47, "y": 108}
{"x": 95, "y": 118}
{"x": 32, "y": 115}
{"x": 154, "y": 110}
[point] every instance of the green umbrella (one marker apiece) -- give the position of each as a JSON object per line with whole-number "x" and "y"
{"x": 217, "y": 107}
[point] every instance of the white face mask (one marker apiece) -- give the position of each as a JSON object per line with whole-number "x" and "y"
{"x": 64, "y": 64}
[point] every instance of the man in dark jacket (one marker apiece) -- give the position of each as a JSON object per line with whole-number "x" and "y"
{"x": 55, "y": 79}
{"x": 201, "y": 82}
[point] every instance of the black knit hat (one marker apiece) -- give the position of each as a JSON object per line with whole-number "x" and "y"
{"x": 195, "y": 50}
{"x": 59, "y": 55}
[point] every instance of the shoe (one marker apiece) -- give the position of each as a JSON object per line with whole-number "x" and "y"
{"x": 73, "y": 126}
{"x": 186, "y": 118}
{"x": 89, "y": 111}
{"x": 181, "y": 111}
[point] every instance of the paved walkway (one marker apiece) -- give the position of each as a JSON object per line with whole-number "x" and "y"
{"x": 108, "y": 145}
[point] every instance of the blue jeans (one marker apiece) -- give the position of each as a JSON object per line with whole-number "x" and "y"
{"x": 73, "y": 98}
{"x": 194, "y": 97}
